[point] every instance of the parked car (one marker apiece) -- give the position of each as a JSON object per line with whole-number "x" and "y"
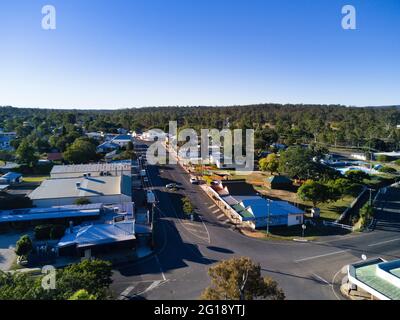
{"x": 193, "y": 180}
{"x": 145, "y": 179}
{"x": 171, "y": 186}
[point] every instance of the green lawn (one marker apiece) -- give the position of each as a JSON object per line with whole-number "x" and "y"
{"x": 295, "y": 232}
{"x": 311, "y": 232}
{"x": 2, "y": 163}
{"x": 332, "y": 211}
{"x": 35, "y": 179}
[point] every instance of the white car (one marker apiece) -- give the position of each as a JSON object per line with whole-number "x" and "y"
{"x": 193, "y": 180}
{"x": 145, "y": 179}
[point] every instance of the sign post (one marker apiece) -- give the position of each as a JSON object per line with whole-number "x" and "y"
{"x": 303, "y": 227}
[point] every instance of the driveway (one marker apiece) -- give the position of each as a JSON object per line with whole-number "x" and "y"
{"x": 7, "y": 245}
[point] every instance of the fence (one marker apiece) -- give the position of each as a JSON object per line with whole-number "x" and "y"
{"x": 343, "y": 216}
{"x": 339, "y": 225}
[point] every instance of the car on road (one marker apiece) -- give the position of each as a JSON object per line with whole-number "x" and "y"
{"x": 145, "y": 179}
{"x": 193, "y": 180}
{"x": 171, "y": 186}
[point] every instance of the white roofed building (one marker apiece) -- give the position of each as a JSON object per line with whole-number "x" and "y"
{"x": 105, "y": 189}
{"x": 93, "y": 169}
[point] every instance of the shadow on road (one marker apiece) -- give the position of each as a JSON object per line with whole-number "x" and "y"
{"x": 221, "y": 250}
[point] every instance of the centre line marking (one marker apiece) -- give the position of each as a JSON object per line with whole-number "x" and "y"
{"x": 383, "y": 242}
{"x": 321, "y": 255}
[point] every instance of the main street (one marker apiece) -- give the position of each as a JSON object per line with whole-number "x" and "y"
{"x": 186, "y": 249}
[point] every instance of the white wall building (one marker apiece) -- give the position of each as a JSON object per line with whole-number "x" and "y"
{"x": 60, "y": 192}
{"x": 94, "y": 169}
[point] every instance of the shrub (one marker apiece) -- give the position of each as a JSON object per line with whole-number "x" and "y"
{"x": 366, "y": 214}
{"x": 48, "y": 231}
{"x": 388, "y": 170}
{"x": 42, "y": 232}
{"x": 383, "y": 158}
{"x": 357, "y": 175}
{"x": 57, "y": 232}
{"x": 9, "y": 202}
{"x": 82, "y": 201}
{"x": 23, "y": 246}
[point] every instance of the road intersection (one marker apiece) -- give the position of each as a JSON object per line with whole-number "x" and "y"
{"x": 186, "y": 249}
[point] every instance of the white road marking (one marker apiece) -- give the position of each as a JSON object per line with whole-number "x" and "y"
{"x": 383, "y": 242}
{"x": 162, "y": 272}
{"x": 208, "y": 233}
{"x": 213, "y": 206}
{"x": 220, "y": 216}
{"x": 320, "y": 278}
{"x": 215, "y": 211}
{"x": 125, "y": 293}
{"x": 321, "y": 255}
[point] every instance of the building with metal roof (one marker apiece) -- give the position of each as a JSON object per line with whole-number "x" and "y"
{"x": 93, "y": 169}
{"x": 377, "y": 277}
{"x": 98, "y": 238}
{"x": 48, "y": 214}
{"x": 122, "y": 140}
{"x": 279, "y": 182}
{"x": 11, "y": 178}
{"x": 248, "y": 207}
{"x": 106, "y": 189}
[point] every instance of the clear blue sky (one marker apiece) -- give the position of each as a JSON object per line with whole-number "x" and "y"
{"x": 133, "y": 53}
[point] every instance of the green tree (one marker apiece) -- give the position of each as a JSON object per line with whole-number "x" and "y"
{"x": 297, "y": 162}
{"x": 187, "y": 206}
{"x": 94, "y": 276}
{"x": 20, "y": 286}
{"x": 383, "y": 158}
{"x": 82, "y": 295}
{"x": 343, "y": 186}
{"x": 26, "y": 154}
{"x": 388, "y": 170}
{"x": 240, "y": 279}
{"x": 315, "y": 192}
{"x": 23, "y": 246}
{"x": 87, "y": 279}
{"x": 81, "y": 151}
{"x": 270, "y": 163}
{"x": 357, "y": 176}
{"x": 366, "y": 214}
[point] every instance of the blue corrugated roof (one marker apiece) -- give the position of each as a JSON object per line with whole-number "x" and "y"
{"x": 123, "y": 137}
{"x": 45, "y": 214}
{"x": 259, "y": 206}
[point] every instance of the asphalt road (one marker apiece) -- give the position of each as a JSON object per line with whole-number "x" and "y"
{"x": 185, "y": 250}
